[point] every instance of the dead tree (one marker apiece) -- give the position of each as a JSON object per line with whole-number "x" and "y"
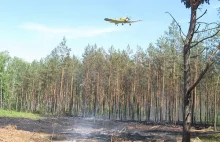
{"x": 194, "y": 27}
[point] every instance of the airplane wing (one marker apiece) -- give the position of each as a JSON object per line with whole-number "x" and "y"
{"x": 130, "y": 21}
{"x": 113, "y": 20}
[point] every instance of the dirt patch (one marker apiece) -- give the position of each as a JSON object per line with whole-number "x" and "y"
{"x": 11, "y": 134}
{"x": 28, "y": 130}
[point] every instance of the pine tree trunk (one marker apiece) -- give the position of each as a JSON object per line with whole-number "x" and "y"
{"x": 186, "y": 67}
{"x": 195, "y": 90}
{"x": 71, "y": 94}
{"x": 162, "y": 97}
{"x": 85, "y": 94}
{"x": 1, "y": 95}
{"x": 148, "y": 97}
{"x": 215, "y": 101}
{"x": 200, "y": 105}
{"x": 61, "y": 91}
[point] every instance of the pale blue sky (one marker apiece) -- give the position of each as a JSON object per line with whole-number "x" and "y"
{"x": 31, "y": 29}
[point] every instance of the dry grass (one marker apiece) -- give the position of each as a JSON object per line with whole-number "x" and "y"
{"x": 11, "y": 134}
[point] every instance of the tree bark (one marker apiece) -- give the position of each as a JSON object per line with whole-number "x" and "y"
{"x": 1, "y": 97}
{"x": 215, "y": 93}
{"x": 71, "y": 94}
{"x": 61, "y": 106}
{"x": 85, "y": 94}
{"x": 186, "y": 67}
{"x": 148, "y": 97}
{"x": 195, "y": 91}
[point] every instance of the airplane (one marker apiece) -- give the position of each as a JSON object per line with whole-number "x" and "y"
{"x": 122, "y": 20}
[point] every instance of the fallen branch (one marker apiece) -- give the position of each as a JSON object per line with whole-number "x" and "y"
{"x": 122, "y": 130}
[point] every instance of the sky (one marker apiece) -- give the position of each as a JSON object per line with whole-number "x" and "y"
{"x": 32, "y": 29}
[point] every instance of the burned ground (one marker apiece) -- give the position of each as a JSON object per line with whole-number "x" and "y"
{"x": 69, "y": 128}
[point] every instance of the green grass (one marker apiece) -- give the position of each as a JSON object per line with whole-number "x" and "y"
{"x": 15, "y": 114}
{"x": 213, "y": 138}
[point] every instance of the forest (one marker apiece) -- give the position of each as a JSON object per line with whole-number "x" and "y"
{"x": 174, "y": 81}
{"x": 114, "y": 84}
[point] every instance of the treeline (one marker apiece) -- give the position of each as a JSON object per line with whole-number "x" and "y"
{"x": 115, "y": 84}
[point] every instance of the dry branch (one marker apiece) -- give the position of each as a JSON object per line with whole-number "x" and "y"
{"x": 208, "y": 64}
{"x": 181, "y": 31}
{"x": 201, "y": 15}
{"x": 205, "y": 39}
{"x": 198, "y": 54}
{"x": 208, "y": 24}
{"x": 207, "y": 29}
{"x": 197, "y": 28}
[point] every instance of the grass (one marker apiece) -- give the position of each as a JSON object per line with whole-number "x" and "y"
{"x": 15, "y": 114}
{"x": 213, "y": 138}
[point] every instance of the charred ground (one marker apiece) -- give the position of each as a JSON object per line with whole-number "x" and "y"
{"x": 76, "y": 128}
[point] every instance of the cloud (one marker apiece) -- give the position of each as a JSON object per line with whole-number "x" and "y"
{"x": 69, "y": 32}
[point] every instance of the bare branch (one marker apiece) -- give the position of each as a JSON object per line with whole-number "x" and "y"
{"x": 181, "y": 32}
{"x": 207, "y": 30}
{"x": 201, "y": 15}
{"x": 197, "y": 28}
{"x": 207, "y": 24}
{"x": 205, "y": 39}
{"x": 198, "y": 54}
{"x": 208, "y": 64}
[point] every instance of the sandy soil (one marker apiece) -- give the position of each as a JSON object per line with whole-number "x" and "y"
{"x": 78, "y": 129}
{"x": 11, "y": 134}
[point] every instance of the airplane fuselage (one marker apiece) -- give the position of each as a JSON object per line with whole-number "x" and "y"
{"x": 122, "y": 20}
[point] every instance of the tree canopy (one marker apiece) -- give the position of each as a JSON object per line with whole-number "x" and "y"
{"x": 188, "y": 4}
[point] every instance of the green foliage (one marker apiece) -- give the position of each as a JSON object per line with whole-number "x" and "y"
{"x": 104, "y": 82}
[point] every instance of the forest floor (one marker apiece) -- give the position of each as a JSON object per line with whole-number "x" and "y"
{"x": 90, "y": 130}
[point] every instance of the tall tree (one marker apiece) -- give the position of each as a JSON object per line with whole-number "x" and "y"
{"x": 4, "y": 58}
{"x": 188, "y": 87}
